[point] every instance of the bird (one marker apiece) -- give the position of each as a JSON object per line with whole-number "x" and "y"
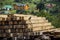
{"x": 29, "y": 18}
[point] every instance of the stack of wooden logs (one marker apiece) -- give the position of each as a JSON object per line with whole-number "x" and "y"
{"x": 20, "y": 25}
{"x": 11, "y": 27}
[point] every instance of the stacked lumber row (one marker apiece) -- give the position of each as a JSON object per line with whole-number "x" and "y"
{"x": 11, "y": 27}
{"x": 37, "y": 24}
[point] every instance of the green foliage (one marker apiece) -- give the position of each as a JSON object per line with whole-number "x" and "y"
{"x": 9, "y": 1}
{"x": 40, "y": 6}
{"x": 5, "y": 2}
{"x": 13, "y": 11}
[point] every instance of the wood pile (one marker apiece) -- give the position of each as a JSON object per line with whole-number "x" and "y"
{"x": 20, "y": 25}
{"x": 10, "y": 27}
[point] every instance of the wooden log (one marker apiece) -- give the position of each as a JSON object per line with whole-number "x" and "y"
{"x": 2, "y": 27}
{"x": 19, "y": 18}
{"x": 36, "y": 21}
{"x": 8, "y": 18}
{"x": 8, "y": 30}
{"x": 19, "y": 31}
{"x": 8, "y": 27}
{"x": 14, "y": 18}
{"x": 3, "y": 16}
{"x": 11, "y": 34}
{"x": 22, "y": 18}
{"x": 3, "y": 19}
{"x": 20, "y": 26}
{"x": 10, "y": 15}
{"x": 13, "y": 30}
{"x": 2, "y": 22}
{"x": 15, "y": 22}
{"x": 2, "y": 31}
{"x": 39, "y": 25}
{"x": 2, "y": 35}
{"x": 10, "y": 23}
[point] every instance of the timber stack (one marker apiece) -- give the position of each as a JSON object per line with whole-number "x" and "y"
{"x": 19, "y": 25}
